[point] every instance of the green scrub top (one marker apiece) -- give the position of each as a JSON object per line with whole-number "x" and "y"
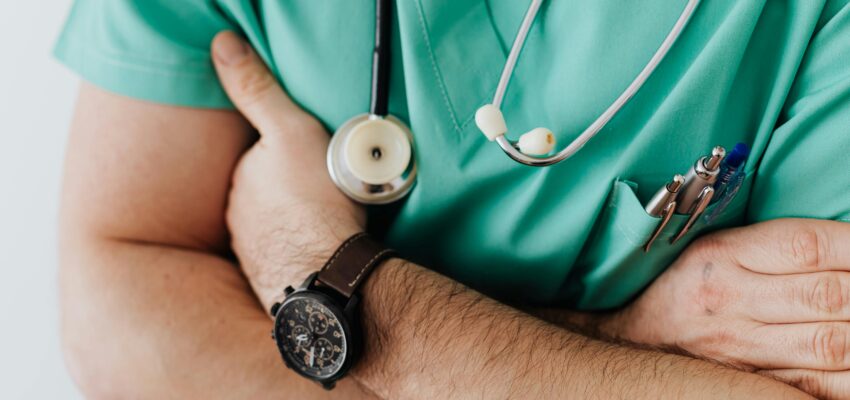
{"x": 771, "y": 73}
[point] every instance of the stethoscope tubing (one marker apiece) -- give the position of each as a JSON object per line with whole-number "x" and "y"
{"x": 509, "y": 147}
{"x": 381, "y": 59}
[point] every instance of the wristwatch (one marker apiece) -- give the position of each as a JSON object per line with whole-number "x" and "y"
{"x": 317, "y": 327}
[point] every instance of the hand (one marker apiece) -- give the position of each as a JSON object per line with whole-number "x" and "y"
{"x": 772, "y": 297}
{"x": 285, "y": 215}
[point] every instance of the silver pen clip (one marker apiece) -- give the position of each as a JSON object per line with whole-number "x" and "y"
{"x": 696, "y": 211}
{"x": 663, "y": 205}
{"x": 665, "y": 219}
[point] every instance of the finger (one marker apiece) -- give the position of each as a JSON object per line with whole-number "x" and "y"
{"x": 253, "y": 89}
{"x": 788, "y": 246}
{"x": 818, "y": 345}
{"x": 829, "y": 385}
{"x": 795, "y": 298}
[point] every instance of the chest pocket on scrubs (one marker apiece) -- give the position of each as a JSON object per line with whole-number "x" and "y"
{"x": 614, "y": 258}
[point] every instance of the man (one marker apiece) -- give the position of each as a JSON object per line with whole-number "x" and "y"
{"x": 166, "y": 228}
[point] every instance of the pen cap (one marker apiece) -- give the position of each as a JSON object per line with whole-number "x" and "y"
{"x": 664, "y": 196}
{"x": 738, "y": 155}
{"x": 697, "y": 178}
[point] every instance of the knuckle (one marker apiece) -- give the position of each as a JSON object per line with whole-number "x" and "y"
{"x": 806, "y": 248}
{"x": 827, "y": 294}
{"x": 829, "y": 345}
{"x": 254, "y": 84}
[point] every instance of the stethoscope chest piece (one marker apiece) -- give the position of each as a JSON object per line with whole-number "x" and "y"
{"x": 370, "y": 158}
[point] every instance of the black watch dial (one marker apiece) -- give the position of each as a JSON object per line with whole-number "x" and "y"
{"x": 311, "y": 337}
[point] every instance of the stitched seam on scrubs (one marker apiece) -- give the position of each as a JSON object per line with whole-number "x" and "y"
{"x": 485, "y": 100}
{"x": 143, "y": 65}
{"x": 176, "y": 63}
{"x": 431, "y": 57}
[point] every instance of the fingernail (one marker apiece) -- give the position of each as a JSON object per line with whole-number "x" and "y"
{"x": 230, "y": 49}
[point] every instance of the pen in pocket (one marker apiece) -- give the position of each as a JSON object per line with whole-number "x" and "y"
{"x": 731, "y": 178}
{"x": 663, "y": 205}
{"x": 734, "y": 160}
{"x": 713, "y": 178}
{"x": 703, "y": 173}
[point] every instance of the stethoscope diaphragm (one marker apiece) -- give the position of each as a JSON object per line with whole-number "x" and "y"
{"x": 370, "y": 158}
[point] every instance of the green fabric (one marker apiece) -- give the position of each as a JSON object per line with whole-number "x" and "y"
{"x": 774, "y": 74}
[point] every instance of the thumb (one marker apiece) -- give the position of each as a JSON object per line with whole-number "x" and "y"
{"x": 252, "y": 88}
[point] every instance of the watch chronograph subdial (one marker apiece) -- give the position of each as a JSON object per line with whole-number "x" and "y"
{"x": 324, "y": 349}
{"x": 318, "y": 322}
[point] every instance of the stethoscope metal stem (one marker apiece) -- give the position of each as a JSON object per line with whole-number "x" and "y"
{"x": 511, "y": 150}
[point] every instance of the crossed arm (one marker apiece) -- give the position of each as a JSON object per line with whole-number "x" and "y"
{"x": 151, "y": 306}
{"x": 154, "y": 308}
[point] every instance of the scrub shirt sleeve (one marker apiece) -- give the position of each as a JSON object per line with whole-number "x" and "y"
{"x": 154, "y": 50}
{"x": 805, "y": 170}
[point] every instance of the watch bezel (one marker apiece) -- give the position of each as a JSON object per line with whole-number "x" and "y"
{"x": 343, "y": 314}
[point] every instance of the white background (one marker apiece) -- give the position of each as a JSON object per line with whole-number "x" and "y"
{"x": 36, "y": 97}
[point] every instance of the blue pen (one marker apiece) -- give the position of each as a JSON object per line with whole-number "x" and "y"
{"x": 733, "y": 161}
{"x": 729, "y": 180}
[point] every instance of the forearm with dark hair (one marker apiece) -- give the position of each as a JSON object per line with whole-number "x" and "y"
{"x": 430, "y": 337}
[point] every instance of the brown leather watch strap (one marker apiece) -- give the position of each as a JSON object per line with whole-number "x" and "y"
{"x": 352, "y": 262}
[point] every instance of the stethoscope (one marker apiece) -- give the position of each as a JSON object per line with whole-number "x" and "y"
{"x": 370, "y": 157}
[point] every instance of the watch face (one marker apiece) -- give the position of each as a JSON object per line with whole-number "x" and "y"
{"x": 311, "y": 336}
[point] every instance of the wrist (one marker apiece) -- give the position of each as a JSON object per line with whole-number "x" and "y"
{"x": 290, "y": 250}
{"x": 310, "y": 233}
{"x": 590, "y": 324}
{"x": 318, "y": 325}
{"x": 385, "y": 297}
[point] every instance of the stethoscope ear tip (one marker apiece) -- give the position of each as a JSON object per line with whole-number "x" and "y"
{"x": 536, "y": 142}
{"x": 490, "y": 121}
